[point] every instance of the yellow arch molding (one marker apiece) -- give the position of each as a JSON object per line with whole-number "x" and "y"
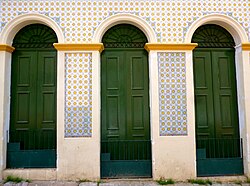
{"x": 245, "y": 46}
{"x": 79, "y": 46}
{"x": 170, "y": 46}
{"x": 7, "y": 48}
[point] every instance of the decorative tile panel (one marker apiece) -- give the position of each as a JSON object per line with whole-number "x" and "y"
{"x": 78, "y": 95}
{"x": 170, "y": 19}
{"x": 172, "y": 93}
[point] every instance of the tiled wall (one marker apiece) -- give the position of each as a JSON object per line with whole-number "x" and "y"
{"x": 172, "y": 93}
{"x": 78, "y": 95}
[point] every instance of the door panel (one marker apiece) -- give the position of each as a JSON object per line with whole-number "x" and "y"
{"x": 23, "y": 91}
{"x": 224, "y": 72}
{"x": 137, "y": 91}
{"x": 48, "y": 69}
{"x": 203, "y": 94}
{"x": 33, "y": 99}
{"x": 137, "y": 115}
{"x": 215, "y": 93}
{"x": 125, "y": 104}
{"x": 113, "y": 97}
{"x": 24, "y": 70}
{"x": 46, "y": 90}
{"x": 125, "y": 76}
{"x": 225, "y": 98}
{"x": 137, "y": 70}
{"x": 113, "y": 114}
{"x": 23, "y": 108}
{"x": 226, "y": 114}
{"x": 112, "y": 71}
{"x": 202, "y": 105}
{"x": 48, "y": 108}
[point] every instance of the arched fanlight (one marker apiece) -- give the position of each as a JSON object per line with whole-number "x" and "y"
{"x": 124, "y": 36}
{"x": 35, "y": 36}
{"x": 213, "y": 36}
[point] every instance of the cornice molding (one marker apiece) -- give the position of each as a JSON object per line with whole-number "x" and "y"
{"x": 170, "y": 46}
{"x": 7, "y": 48}
{"x": 245, "y": 46}
{"x": 79, "y": 46}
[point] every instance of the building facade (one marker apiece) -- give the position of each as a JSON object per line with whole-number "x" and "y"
{"x": 96, "y": 89}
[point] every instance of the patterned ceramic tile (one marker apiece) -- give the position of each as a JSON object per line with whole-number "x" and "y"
{"x": 78, "y": 95}
{"x": 170, "y": 19}
{"x": 172, "y": 93}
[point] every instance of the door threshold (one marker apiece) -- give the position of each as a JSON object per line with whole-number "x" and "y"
{"x": 32, "y": 173}
{"x": 127, "y": 179}
{"x": 225, "y": 178}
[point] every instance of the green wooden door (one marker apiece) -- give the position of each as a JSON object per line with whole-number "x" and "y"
{"x": 125, "y": 114}
{"x": 125, "y": 100}
{"x": 33, "y": 104}
{"x": 215, "y": 94}
{"x": 219, "y": 149}
{"x": 125, "y": 130}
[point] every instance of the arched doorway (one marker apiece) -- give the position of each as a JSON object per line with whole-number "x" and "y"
{"x": 125, "y": 124}
{"x": 218, "y": 144}
{"x": 32, "y": 134}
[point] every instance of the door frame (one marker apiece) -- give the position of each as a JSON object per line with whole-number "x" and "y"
{"x": 6, "y": 37}
{"x": 242, "y": 72}
{"x": 141, "y": 163}
{"x": 225, "y": 165}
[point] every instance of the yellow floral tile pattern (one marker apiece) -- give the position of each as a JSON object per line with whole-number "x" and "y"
{"x": 172, "y": 93}
{"x": 78, "y": 95}
{"x": 170, "y": 19}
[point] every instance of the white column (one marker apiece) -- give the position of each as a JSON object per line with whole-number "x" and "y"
{"x": 172, "y": 156}
{"x": 79, "y": 157}
{"x": 154, "y": 107}
{"x": 5, "y": 79}
{"x": 96, "y": 113}
{"x": 60, "y": 104}
{"x": 243, "y": 89}
{"x": 191, "y": 112}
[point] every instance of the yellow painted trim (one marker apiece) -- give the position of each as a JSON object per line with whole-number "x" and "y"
{"x": 7, "y": 48}
{"x": 245, "y": 46}
{"x": 79, "y": 46}
{"x": 170, "y": 46}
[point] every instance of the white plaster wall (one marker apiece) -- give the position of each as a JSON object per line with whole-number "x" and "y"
{"x": 31, "y": 174}
{"x": 79, "y": 157}
{"x": 243, "y": 88}
{"x": 173, "y": 156}
{"x": 5, "y": 63}
{"x": 154, "y": 106}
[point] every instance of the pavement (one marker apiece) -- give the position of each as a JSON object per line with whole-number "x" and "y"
{"x": 114, "y": 183}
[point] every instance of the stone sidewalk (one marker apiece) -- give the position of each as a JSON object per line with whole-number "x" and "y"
{"x": 111, "y": 183}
